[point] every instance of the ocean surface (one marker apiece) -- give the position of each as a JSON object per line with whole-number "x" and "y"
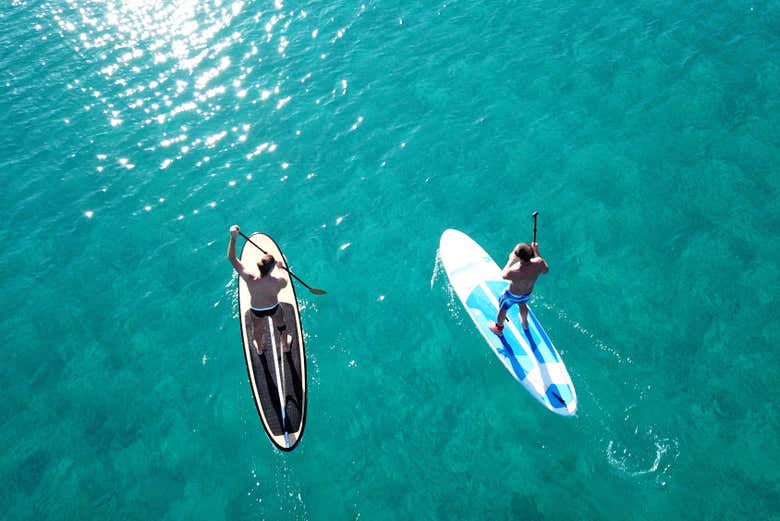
{"x": 134, "y": 133}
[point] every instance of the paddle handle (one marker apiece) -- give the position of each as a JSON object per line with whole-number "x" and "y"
{"x": 535, "y": 214}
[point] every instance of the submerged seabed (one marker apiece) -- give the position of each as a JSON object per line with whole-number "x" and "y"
{"x": 134, "y": 134}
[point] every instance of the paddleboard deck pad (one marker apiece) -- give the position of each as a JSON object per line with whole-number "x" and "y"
{"x": 277, "y": 378}
{"x": 529, "y": 356}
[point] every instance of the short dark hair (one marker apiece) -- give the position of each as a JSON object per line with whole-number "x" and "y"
{"x": 266, "y": 264}
{"x": 524, "y": 251}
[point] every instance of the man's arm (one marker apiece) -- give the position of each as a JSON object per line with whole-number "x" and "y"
{"x": 282, "y": 266}
{"x": 232, "y": 253}
{"x": 545, "y": 267}
{"x": 508, "y": 268}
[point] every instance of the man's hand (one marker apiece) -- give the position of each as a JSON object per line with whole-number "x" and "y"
{"x": 234, "y": 231}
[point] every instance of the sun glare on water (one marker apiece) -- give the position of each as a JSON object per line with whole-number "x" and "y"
{"x": 171, "y": 67}
{"x": 191, "y": 82}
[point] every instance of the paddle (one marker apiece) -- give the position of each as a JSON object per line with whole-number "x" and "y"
{"x": 535, "y": 214}
{"x": 316, "y": 291}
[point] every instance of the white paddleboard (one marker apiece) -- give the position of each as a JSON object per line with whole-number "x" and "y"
{"x": 531, "y": 358}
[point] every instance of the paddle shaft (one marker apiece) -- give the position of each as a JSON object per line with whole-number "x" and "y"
{"x": 535, "y": 214}
{"x": 313, "y": 290}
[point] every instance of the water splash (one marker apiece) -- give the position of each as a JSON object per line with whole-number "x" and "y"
{"x": 437, "y": 266}
{"x": 636, "y": 462}
{"x": 282, "y": 494}
{"x": 633, "y": 450}
{"x": 453, "y": 303}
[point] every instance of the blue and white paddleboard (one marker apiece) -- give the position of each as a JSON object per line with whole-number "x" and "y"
{"x": 531, "y": 359}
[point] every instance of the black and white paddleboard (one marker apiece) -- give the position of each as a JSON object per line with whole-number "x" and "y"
{"x": 277, "y": 378}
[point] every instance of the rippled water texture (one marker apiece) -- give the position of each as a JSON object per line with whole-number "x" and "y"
{"x": 134, "y": 133}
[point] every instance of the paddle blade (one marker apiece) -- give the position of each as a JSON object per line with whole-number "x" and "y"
{"x": 317, "y": 291}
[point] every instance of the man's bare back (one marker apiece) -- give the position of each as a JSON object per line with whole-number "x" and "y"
{"x": 264, "y": 291}
{"x": 522, "y": 276}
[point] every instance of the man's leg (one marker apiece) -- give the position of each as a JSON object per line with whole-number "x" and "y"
{"x": 497, "y": 327}
{"x": 524, "y": 315}
{"x": 254, "y": 332}
{"x": 285, "y": 339}
{"x": 501, "y": 317}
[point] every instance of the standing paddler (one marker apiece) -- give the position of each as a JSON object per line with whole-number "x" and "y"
{"x": 522, "y": 269}
{"x": 264, "y": 290}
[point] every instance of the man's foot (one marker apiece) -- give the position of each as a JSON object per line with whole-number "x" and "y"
{"x": 259, "y": 352}
{"x": 288, "y": 344}
{"x": 495, "y": 328}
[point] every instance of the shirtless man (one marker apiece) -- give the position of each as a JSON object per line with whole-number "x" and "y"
{"x": 521, "y": 277}
{"x": 264, "y": 290}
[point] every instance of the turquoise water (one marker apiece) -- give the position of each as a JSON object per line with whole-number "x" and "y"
{"x": 134, "y": 133}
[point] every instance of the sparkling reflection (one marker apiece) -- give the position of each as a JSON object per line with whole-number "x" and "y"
{"x": 204, "y": 81}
